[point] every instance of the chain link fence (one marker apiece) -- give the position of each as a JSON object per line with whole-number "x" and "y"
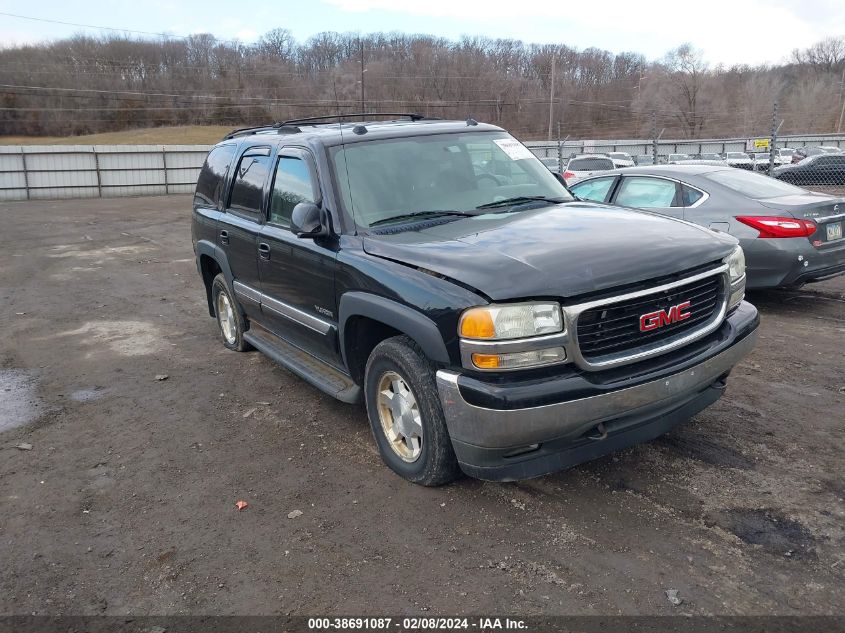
{"x": 815, "y": 162}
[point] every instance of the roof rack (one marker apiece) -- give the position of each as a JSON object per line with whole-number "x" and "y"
{"x": 290, "y": 125}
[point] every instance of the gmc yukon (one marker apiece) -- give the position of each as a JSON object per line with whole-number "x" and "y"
{"x": 491, "y": 323}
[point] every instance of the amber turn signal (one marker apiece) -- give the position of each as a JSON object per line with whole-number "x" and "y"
{"x": 477, "y": 323}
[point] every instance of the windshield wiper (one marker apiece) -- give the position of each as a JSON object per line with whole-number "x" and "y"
{"x": 420, "y": 214}
{"x": 508, "y": 202}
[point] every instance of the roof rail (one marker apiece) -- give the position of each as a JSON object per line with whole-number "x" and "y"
{"x": 245, "y": 131}
{"x": 413, "y": 116}
{"x": 290, "y": 125}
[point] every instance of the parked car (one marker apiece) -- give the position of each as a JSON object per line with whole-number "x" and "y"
{"x": 644, "y": 159}
{"x": 584, "y": 165}
{"x": 790, "y": 236}
{"x": 504, "y": 329}
{"x": 740, "y": 160}
{"x": 830, "y": 149}
{"x": 676, "y": 158}
{"x": 621, "y": 159}
{"x": 783, "y": 156}
{"x": 821, "y": 169}
{"x": 761, "y": 161}
{"x": 804, "y": 152}
{"x": 707, "y": 156}
{"x": 702, "y": 159}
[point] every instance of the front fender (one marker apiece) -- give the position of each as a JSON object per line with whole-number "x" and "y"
{"x": 398, "y": 316}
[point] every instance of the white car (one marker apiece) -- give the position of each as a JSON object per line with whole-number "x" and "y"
{"x": 740, "y": 160}
{"x": 586, "y": 165}
{"x": 783, "y": 156}
{"x": 621, "y": 159}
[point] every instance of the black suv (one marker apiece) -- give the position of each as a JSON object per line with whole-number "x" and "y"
{"x": 491, "y": 322}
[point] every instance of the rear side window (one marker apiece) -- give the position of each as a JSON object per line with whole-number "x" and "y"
{"x": 690, "y": 196}
{"x": 292, "y": 184}
{"x": 210, "y": 181}
{"x": 589, "y": 164}
{"x": 646, "y": 192}
{"x": 595, "y": 190}
{"x": 248, "y": 188}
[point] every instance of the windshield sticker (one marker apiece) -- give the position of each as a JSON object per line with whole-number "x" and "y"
{"x": 513, "y": 148}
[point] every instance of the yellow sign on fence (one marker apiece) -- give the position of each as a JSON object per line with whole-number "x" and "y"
{"x": 761, "y": 143}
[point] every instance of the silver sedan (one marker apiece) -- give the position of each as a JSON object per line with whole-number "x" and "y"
{"x": 790, "y": 236}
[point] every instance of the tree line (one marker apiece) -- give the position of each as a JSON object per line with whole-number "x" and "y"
{"x": 87, "y": 84}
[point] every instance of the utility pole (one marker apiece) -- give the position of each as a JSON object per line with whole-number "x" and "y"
{"x": 654, "y": 137}
{"x": 841, "y": 98}
{"x": 552, "y": 95}
{"x": 774, "y": 137}
{"x": 361, "y": 46}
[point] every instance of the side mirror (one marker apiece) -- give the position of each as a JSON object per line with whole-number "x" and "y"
{"x": 306, "y": 220}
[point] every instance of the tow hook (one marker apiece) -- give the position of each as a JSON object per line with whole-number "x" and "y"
{"x": 602, "y": 433}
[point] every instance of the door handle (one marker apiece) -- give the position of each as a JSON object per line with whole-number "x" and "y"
{"x": 264, "y": 250}
{"x": 224, "y": 237}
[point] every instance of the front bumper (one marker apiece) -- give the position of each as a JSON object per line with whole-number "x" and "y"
{"x": 506, "y": 443}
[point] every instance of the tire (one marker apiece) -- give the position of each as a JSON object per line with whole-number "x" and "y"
{"x": 428, "y": 458}
{"x": 230, "y": 322}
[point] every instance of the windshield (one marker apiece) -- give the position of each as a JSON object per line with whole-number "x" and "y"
{"x": 383, "y": 179}
{"x": 737, "y": 155}
{"x": 753, "y": 185}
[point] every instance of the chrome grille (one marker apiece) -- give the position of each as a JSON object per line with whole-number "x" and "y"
{"x": 609, "y": 333}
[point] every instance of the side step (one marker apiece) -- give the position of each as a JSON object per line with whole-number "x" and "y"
{"x": 323, "y": 376}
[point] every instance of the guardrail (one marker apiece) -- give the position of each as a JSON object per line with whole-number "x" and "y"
{"x": 34, "y": 172}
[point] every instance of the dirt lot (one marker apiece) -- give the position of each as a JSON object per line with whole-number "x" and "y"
{"x": 125, "y": 502}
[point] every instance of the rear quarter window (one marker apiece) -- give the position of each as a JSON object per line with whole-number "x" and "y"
{"x": 210, "y": 181}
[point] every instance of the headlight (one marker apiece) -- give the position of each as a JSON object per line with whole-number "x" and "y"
{"x": 520, "y": 320}
{"x": 736, "y": 264}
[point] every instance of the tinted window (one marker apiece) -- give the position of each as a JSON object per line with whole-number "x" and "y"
{"x": 753, "y": 185}
{"x": 248, "y": 189}
{"x": 690, "y": 196}
{"x": 210, "y": 181}
{"x": 646, "y": 192}
{"x": 589, "y": 164}
{"x": 595, "y": 189}
{"x": 292, "y": 184}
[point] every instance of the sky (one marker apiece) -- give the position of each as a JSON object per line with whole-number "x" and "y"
{"x": 727, "y": 31}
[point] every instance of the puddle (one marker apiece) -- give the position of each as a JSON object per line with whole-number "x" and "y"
{"x": 19, "y": 401}
{"x": 775, "y": 533}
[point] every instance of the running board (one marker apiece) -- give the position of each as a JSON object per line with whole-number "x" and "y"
{"x": 323, "y": 376}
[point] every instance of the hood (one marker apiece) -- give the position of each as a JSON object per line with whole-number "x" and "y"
{"x": 558, "y": 251}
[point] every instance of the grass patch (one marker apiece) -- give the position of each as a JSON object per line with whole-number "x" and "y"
{"x": 177, "y": 135}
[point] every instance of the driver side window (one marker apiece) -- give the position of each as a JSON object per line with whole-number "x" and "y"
{"x": 292, "y": 184}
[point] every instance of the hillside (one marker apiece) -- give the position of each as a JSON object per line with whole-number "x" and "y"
{"x": 174, "y": 135}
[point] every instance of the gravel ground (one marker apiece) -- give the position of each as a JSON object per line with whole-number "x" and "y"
{"x": 125, "y": 502}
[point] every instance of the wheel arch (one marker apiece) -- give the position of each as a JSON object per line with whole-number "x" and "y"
{"x": 211, "y": 261}
{"x": 364, "y": 320}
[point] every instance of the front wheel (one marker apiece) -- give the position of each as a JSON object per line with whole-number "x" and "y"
{"x": 405, "y": 414}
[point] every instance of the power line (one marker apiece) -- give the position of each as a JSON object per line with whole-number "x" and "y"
{"x": 106, "y": 28}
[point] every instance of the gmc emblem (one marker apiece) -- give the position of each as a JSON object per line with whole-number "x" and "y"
{"x": 654, "y": 320}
